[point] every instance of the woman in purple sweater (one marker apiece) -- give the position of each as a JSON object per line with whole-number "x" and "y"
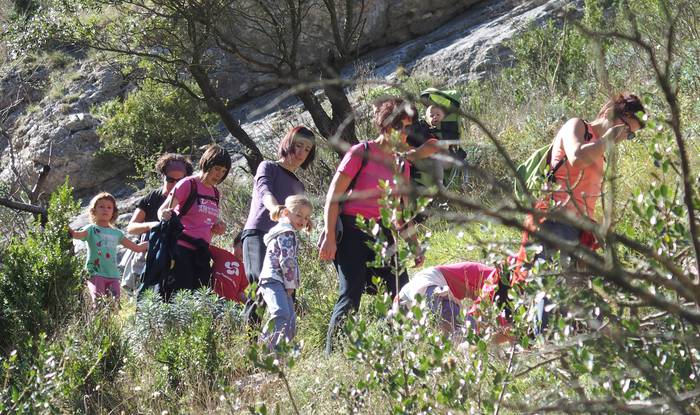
{"x": 274, "y": 181}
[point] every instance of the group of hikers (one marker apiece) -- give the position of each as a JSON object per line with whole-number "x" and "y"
{"x": 177, "y": 220}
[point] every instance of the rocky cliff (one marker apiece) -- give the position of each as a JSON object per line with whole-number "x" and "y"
{"x": 49, "y": 125}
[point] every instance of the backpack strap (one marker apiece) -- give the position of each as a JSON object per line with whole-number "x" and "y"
{"x": 190, "y": 198}
{"x": 587, "y": 136}
{"x": 365, "y": 158}
{"x": 195, "y": 195}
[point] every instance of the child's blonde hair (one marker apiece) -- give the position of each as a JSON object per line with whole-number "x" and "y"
{"x": 93, "y": 205}
{"x": 291, "y": 203}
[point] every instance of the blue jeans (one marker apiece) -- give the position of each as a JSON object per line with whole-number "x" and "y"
{"x": 253, "y": 256}
{"x": 443, "y": 306}
{"x": 280, "y": 307}
{"x": 561, "y": 231}
{"x": 253, "y": 253}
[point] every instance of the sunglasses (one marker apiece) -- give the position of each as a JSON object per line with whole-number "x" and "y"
{"x": 630, "y": 133}
{"x": 171, "y": 179}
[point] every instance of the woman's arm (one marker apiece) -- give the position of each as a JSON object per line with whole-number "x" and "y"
{"x": 270, "y": 202}
{"x": 137, "y": 225}
{"x": 165, "y": 211}
{"x": 339, "y": 185}
{"x": 407, "y": 232}
{"x": 425, "y": 150}
{"x": 414, "y": 244}
{"x": 264, "y": 179}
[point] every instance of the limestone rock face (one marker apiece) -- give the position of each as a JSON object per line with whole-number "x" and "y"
{"x": 61, "y": 134}
{"x": 387, "y": 22}
{"x": 397, "y": 21}
{"x": 468, "y": 46}
{"x": 450, "y": 40}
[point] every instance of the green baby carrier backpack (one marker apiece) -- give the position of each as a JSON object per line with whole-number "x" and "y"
{"x": 449, "y": 128}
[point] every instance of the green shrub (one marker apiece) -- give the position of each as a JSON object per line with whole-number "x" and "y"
{"x": 550, "y": 56}
{"x": 188, "y": 349}
{"x": 153, "y": 119}
{"x": 40, "y": 277}
{"x": 74, "y": 373}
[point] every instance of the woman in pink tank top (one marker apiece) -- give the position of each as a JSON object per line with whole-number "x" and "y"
{"x": 582, "y": 147}
{"x": 578, "y": 155}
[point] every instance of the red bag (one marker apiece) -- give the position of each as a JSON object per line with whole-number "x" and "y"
{"x": 227, "y": 275}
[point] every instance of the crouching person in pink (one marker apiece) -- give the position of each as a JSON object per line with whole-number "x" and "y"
{"x": 446, "y": 286}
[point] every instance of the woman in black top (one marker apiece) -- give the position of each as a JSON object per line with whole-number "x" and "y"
{"x": 172, "y": 167}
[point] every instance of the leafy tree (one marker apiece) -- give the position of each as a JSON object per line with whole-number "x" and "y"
{"x": 154, "y": 119}
{"x": 40, "y": 278}
{"x": 286, "y": 38}
{"x": 171, "y": 41}
{"x": 176, "y": 43}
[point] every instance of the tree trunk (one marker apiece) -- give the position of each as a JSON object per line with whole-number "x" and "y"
{"x": 251, "y": 152}
{"x": 318, "y": 114}
{"x": 342, "y": 112}
{"x": 326, "y": 125}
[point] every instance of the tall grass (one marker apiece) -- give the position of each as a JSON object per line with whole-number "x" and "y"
{"x": 190, "y": 356}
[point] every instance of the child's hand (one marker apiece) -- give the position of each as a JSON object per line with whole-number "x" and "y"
{"x": 77, "y": 234}
{"x": 166, "y": 214}
{"x": 290, "y": 291}
{"x": 143, "y": 247}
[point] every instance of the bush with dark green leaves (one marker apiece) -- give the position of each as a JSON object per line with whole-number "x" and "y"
{"x": 153, "y": 119}
{"x": 40, "y": 277}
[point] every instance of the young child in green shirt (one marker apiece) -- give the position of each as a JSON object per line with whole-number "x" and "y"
{"x": 102, "y": 239}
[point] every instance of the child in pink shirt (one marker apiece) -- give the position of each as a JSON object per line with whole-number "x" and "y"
{"x": 195, "y": 201}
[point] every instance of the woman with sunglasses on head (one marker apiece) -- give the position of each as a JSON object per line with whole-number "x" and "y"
{"x": 351, "y": 253}
{"x": 579, "y": 150}
{"x": 172, "y": 167}
{"x": 578, "y": 162}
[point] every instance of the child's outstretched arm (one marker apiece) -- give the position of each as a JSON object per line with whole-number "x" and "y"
{"x": 77, "y": 234}
{"x": 129, "y": 244}
{"x": 425, "y": 150}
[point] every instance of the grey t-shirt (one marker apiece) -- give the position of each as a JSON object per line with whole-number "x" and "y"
{"x": 272, "y": 179}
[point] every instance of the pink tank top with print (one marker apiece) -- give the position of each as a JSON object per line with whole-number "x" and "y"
{"x": 579, "y": 188}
